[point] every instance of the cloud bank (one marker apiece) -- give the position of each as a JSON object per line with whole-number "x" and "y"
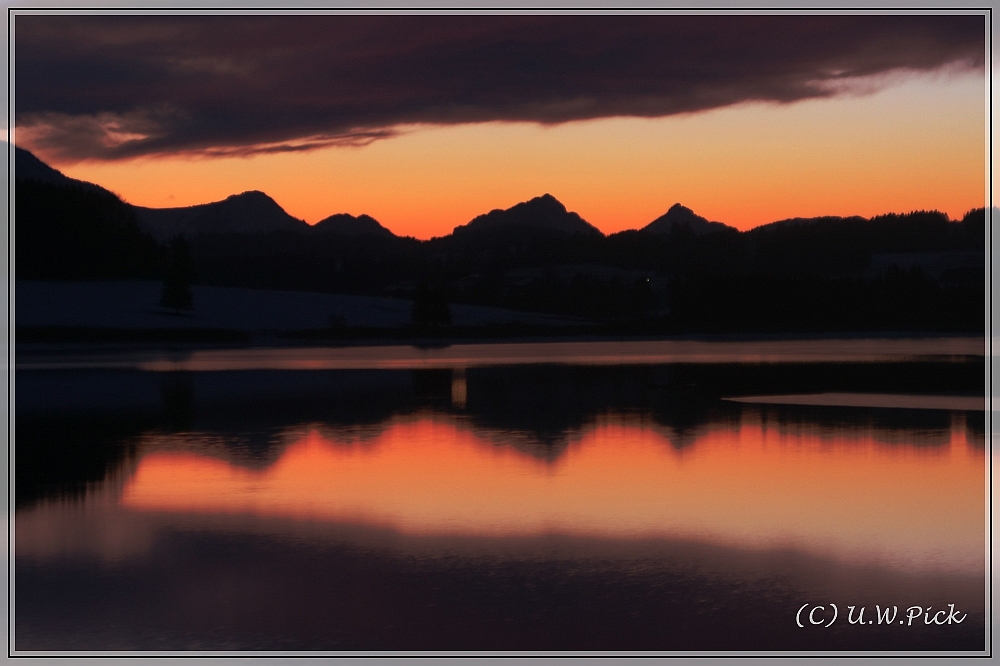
{"x": 113, "y": 87}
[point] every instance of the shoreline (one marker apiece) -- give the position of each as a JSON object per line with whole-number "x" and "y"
{"x": 27, "y": 339}
{"x": 460, "y": 355}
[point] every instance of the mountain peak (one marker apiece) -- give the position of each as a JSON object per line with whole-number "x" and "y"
{"x": 343, "y": 224}
{"x": 678, "y": 217}
{"x": 545, "y": 202}
{"x": 541, "y": 213}
{"x": 250, "y": 212}
{"x": 249, "y": 195}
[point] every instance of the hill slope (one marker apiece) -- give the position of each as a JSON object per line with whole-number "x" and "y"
{"x": 68, "y": 229}
{"x": 249, "y": 212}
{"x": 29, "y": 167}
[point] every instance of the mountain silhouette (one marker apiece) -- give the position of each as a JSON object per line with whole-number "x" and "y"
{"x": 247, "y": 213}
{"x": 343, "y": 224}
{"x": 69, "y": 229}
{"x": 918, "y": 271}
{"x": 681, "y": 217}
{"x": 29, "y": 167}
{"x": 544, "y": 213}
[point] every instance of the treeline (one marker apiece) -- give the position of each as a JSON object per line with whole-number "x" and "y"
{"x": 791, "y": 276}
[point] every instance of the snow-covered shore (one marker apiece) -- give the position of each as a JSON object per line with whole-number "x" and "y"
{"x": 134, "y": 305}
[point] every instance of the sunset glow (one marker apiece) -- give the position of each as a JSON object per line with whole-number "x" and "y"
{"x": 412, "y": 330}
{"x": 917, "y": 144}
{"x": 620, "y": 478}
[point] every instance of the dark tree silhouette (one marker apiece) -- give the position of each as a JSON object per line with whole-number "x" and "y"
{"x": 69, "y": 232}
{"x": 177, "y": 283}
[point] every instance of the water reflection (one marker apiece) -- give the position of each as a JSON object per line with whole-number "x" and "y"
{"x": 74, "y": 426}
{"x": 755, "y": 484}
{"x": 498, "y": 493}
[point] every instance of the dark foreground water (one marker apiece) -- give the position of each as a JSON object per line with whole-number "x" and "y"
{"x": 473, "y": 498}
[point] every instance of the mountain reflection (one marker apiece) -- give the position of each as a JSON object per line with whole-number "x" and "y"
{"x": 518, "y": 505}
{"x": 754, "y": 483}
{"x": 74, "y": 426}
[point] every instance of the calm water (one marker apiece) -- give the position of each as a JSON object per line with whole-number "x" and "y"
{"x": 473, "y": 498}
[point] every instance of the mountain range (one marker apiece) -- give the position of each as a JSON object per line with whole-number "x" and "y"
{"x": 254, "y": 212}
{"x": 680, "y": 272}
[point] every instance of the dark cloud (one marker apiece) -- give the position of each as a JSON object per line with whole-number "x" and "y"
{"x": 108, "y": 87}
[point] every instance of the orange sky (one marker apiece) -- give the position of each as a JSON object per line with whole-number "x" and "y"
{"x": 920, "y": 143}
{"x": 839, "y": 494}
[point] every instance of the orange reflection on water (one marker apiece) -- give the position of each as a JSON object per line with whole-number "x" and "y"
{"x": 753, "y": 484}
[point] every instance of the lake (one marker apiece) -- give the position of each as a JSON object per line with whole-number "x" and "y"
{"x": 591, "y": 496}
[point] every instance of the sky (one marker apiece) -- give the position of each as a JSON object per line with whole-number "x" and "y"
{"x": 424, "y": 122}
